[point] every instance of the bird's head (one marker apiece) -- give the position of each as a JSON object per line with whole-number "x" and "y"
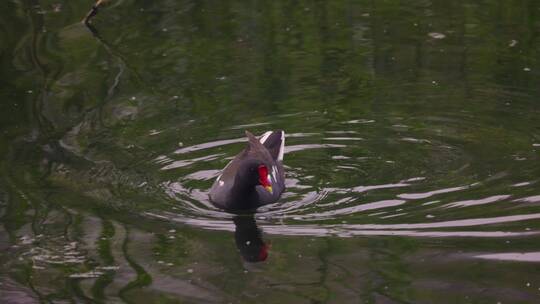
{"x": 258, "y": 163}
{"x": 257, "y": 173}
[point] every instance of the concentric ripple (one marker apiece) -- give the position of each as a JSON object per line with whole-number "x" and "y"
{"x": 348, "y": 181}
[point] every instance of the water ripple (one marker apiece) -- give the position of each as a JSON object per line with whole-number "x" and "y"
{"x": 512, "y": 256}
{"x": 346, "y": 230}
{"x": 324, "y": 191}
{"x": 476, "y": 202}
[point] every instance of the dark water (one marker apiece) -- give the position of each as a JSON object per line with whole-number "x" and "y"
{"x": 412, "y": 154}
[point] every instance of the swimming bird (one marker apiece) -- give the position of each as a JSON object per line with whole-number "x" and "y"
{"x": 255, "y": 177}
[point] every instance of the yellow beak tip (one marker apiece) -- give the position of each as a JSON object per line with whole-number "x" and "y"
{"x": 268, "y": 188}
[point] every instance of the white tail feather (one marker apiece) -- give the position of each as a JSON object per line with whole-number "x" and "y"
{"x": 264, "y": 137}
{"x": 282, "y": 148}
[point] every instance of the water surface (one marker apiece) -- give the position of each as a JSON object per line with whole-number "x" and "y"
{"x": 412, "y": 158}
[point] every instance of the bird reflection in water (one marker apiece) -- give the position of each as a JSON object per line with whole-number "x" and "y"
{"x": 249, "y": 240}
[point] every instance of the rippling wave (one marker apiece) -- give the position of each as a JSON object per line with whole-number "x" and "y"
{"x": 411, "y": 167}
{"x": 331, "y": 190}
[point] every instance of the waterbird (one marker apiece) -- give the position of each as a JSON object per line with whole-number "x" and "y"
{"x": 255, "y": 177}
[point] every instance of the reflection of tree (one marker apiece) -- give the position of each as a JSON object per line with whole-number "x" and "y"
{"x": 73, "y": 103}
{"x": 390, "y": 276}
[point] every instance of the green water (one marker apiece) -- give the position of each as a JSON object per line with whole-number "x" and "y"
{"x": 412, "y": 159}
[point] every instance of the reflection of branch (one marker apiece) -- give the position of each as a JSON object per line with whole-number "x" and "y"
{"x": 142, "y": 279}
{"x": 112, "y": 52}
{"x": 122, "y": 63}
{"x": 92, "y": 29}
{"x": 93, "y": 11}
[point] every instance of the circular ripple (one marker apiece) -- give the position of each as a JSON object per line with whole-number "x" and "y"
{"x": 352, "y": 180}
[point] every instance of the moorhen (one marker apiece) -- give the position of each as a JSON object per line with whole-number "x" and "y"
{"x": 255, "y": 177}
